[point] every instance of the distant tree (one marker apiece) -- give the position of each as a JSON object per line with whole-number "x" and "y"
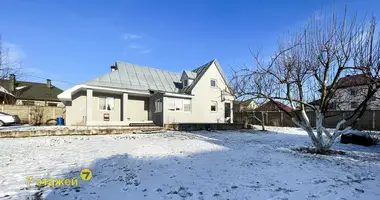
{"x": 8, "y": 66}
{"x": 313, "y": 60}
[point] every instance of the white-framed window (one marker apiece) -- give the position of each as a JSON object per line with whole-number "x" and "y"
{"x": 179, "y": 104}
{"x": 106, "y": 103}
{"x": 187, "y": 105}
{"x": 213, "y": 83}
{"x": 214, "y": 106}
{"x": 158, "y": 105}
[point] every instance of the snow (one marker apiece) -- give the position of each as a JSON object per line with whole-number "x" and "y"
{"x": 22, "y": 128}
{"x": 184, "y": 165}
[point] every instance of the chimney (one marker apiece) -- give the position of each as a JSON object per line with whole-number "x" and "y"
{"x": 12, "y": 82}
{"x": 48, "y": 83}
{"x": 113, "y": 68}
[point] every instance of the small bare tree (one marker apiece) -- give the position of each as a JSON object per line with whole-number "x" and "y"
{"x": 246, "y": 113}
{"x": 36, "y": 115}
{"x": 313, "y": 60}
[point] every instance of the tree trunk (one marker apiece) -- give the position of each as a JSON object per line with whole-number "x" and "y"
{"x": 262, "y": 121}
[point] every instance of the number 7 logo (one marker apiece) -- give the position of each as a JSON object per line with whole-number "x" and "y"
{"x": 85, "y": 174}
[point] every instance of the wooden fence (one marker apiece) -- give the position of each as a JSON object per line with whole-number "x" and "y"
{"x": 369, "y": 121}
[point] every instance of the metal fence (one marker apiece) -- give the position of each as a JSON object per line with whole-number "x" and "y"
{"x": 369, "y": 121}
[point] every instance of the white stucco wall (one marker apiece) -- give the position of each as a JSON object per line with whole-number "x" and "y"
{"x": 76, "y": 109}
{"x": 204, "y": 94}
{"x": 343, "y": 98}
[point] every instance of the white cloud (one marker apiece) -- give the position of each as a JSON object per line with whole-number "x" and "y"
{"x": 141, "y": 49}
{"x": 135, "y": 46}
{"x": 145, "y": 51}
{"x": 129, "y": 36}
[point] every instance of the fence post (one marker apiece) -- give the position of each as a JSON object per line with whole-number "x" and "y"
{"x": 28, "y": 114}
{"x": 373, "y": 120}
{"x": 2, "y": 108}
{"x": 282, "y": 119}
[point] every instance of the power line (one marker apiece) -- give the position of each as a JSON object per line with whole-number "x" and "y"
{"x": 38, "y": 77}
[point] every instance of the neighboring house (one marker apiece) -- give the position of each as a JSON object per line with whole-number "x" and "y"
{"x": 273, "y": 106}
{"x": 137, "y": 94}
{"x": 247, "y": 105}
{"x": 30, "y": 93}
{"x": 350, "y": 93}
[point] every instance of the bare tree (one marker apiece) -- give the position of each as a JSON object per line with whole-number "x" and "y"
{"x": 245, "y": 113}
{"x": 313, "y": 60}
{"x": 8, "y": 66}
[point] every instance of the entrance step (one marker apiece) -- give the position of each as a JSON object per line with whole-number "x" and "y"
{"x": 137, "y": 124}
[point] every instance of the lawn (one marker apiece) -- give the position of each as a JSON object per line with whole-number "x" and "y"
{"x": 181, "y": 165}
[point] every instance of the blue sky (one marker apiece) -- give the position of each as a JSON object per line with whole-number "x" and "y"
{"x": 73, "y": 41}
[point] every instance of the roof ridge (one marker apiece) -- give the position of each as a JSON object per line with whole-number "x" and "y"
{"x": 208, "y": 63}
{"x": 147, "y": 67}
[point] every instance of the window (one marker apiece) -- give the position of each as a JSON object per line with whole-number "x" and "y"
{"x": 214, "y": 106}
{"x": 353, "y": 92}
{"x": 28, "y": 103}
{"x": 52, "y": 104}
{"x": 187, "y": 105}
{"x": 179, "y": 104}
{"x": 185, "y": 83}
{"x": 354, "y": 105}
{"x": 171, "y": 105}
{"x": 213, "y": 83}
{"x": 106, "y": 103}
{"x": 158, "y": 105}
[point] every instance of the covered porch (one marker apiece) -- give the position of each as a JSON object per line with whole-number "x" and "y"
{"x": 103, "y": 106}
{"x": 117, "y": 108}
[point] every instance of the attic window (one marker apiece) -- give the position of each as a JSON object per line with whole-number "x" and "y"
{"x": 213, "y": 83}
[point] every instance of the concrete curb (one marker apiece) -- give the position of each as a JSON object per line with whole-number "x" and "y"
{"x": 69, "y": 132}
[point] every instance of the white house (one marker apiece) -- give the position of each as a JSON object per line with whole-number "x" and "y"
{"x": 138, "y": 94}
{"x": 350, "y": 92}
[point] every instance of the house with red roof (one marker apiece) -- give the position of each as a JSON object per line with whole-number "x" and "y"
{"x": 350, "y": 92}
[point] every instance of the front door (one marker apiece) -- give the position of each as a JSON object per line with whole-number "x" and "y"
{"x": 227, "y": 112}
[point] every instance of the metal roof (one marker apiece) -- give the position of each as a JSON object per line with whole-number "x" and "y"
{"x": 137, "y": 77}
{"x": 190, "y": 74}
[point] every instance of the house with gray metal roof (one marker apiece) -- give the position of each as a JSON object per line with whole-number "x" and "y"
{"x": 137, "y": 94}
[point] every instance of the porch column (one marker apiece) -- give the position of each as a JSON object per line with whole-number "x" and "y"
{"x": 125, "y": 106}
{"x": 89, "y": 105}
{"x": 232, "y": 112}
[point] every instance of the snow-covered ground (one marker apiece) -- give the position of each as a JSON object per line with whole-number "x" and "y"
{"x": 197, "y": 165}
{"x": 21, "y": 128}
